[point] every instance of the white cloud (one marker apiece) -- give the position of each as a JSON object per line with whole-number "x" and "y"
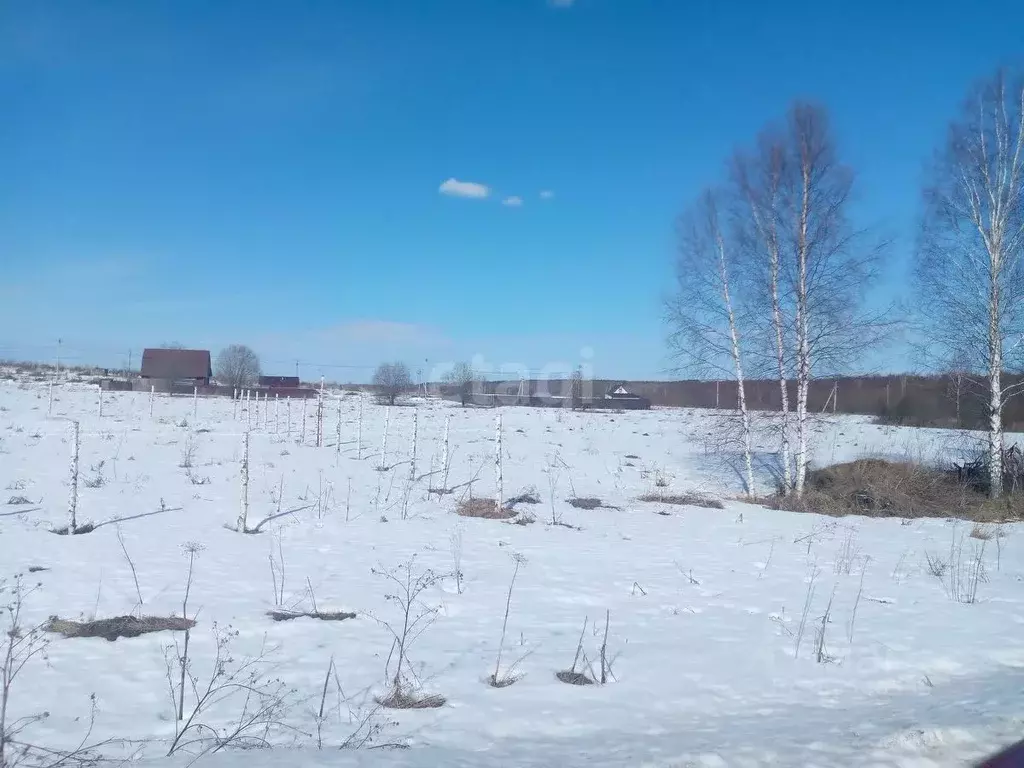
{"x": 470, "y": 189}
{"x": 513, "y": 201}
{"x": 546, "y": 194}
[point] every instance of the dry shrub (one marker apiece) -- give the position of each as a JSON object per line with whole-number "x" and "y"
{"x": 684, "y": 499}
{"x": 79, "y": 529}
{"x": 585, "y": 503}
{"x": 400, "y": 698}
{"x": 119, "y": 626}
{"x": 282, "y": 615}
{"x": 529, "y": 496}
{"x": 881, "y": 488}
{"x": 983, "y": 532}
{"x": 18, "y": 500}
{"x": 486, "y": 509}
{"x": 573, "y": 678}
{"x": 504, "y": 681}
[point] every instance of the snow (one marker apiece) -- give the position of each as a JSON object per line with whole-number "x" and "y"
{"x": 704, "y": 604}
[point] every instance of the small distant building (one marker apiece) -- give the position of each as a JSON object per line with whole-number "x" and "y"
{"x": 620, "y": 391}
{"x": 279, "y": 382}
{"x": 165, "y": 369}
{"x": 618, "y": 396}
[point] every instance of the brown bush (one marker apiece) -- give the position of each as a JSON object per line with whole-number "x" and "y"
{"x": 881, "y": 488}
{"x": 683, "y": 499}
{"x": 486, "y": 509}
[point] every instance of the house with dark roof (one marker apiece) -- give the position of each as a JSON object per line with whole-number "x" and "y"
{"x": 166, "y": 368}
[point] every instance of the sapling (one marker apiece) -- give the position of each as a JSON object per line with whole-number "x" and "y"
{"x": 446, "y": 459}
{"x": 131, "y": 565}
{"x": 152, "y": 398}
{"x": 195, "y": 403}
{"x": 288, "y": 408}
{"x": 302, "y": 429}
{"x": 455, "y": 545}
{"x": 412, "y": 448}
{"x": 807, "y": 609}
{"x": 49, "y": 399}
{"x": 856, "y": 602}
{"x": 277, "y": 413}
{"x": 99, "y": 401}
{"x": 73, "y": 484}
{"x": 263, "y": 702}
{"x": 499, "y": 680}
{"x": 337, "y": 432}
{"x": 384, "y": 440}
{"x": 243, "y": 517}
{"x": 415, "y": 617}
{"x": 191, "y": 549}
{"x": 820, "y": 652}
{"x": 359, "y": 432}
{"x": 499, "y": 480}
{"x": 266, "y": 410}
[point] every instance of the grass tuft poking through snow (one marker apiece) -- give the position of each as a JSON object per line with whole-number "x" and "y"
{"x": 683, "y": 499}
{"x": 118, "y": 627}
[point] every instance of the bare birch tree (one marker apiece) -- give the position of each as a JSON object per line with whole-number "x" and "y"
{"x": 703, "y": 316}
{"x": 811, "y": 266}
{"x": 970, "y": 275}
{"x": 758, "y": 180}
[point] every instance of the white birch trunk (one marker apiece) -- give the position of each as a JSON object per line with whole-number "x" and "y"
{"x": 384, "y": 439}
{"x": 234, "y": 405}
{"x": 256, "y": 415}
{"x": 445, "y": 452}
{"x": 99, "y": 401}
{"x": 499, "y": 480}
{"x": 320, "y": 417}
{"x": 995, "y": 387}
{"x": 780, "y": 357}
{"x": 288, "y": 408}
{"x": 737, "y": 359}
{"x": 337, "y": 431}
{"x": 73, "y": 492}
{"x": 302, "y": 429}
{"x": 769, "y": 233}
{"x": 803, "y": 353}
{"x": 266, "y": 411}
{"x": 195, "y": 403}
{"x": 359, "y": 431}
{"x": 415, "y": 434}
{"x": 152, "y": 399}
{"x": 277, "y": 413}
{"x": 49, "y": 400}
{"x": 243, "y": 516}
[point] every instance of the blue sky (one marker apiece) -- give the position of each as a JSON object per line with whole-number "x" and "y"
{"x": 272, "y": 172}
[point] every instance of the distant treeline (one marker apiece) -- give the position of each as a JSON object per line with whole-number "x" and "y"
{"x": 939, "y": 401}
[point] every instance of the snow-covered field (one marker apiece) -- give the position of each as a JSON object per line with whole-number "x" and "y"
{"x": 705, "y": 605}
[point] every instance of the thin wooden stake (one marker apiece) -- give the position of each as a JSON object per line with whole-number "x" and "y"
{"x": 499, "y": 480}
